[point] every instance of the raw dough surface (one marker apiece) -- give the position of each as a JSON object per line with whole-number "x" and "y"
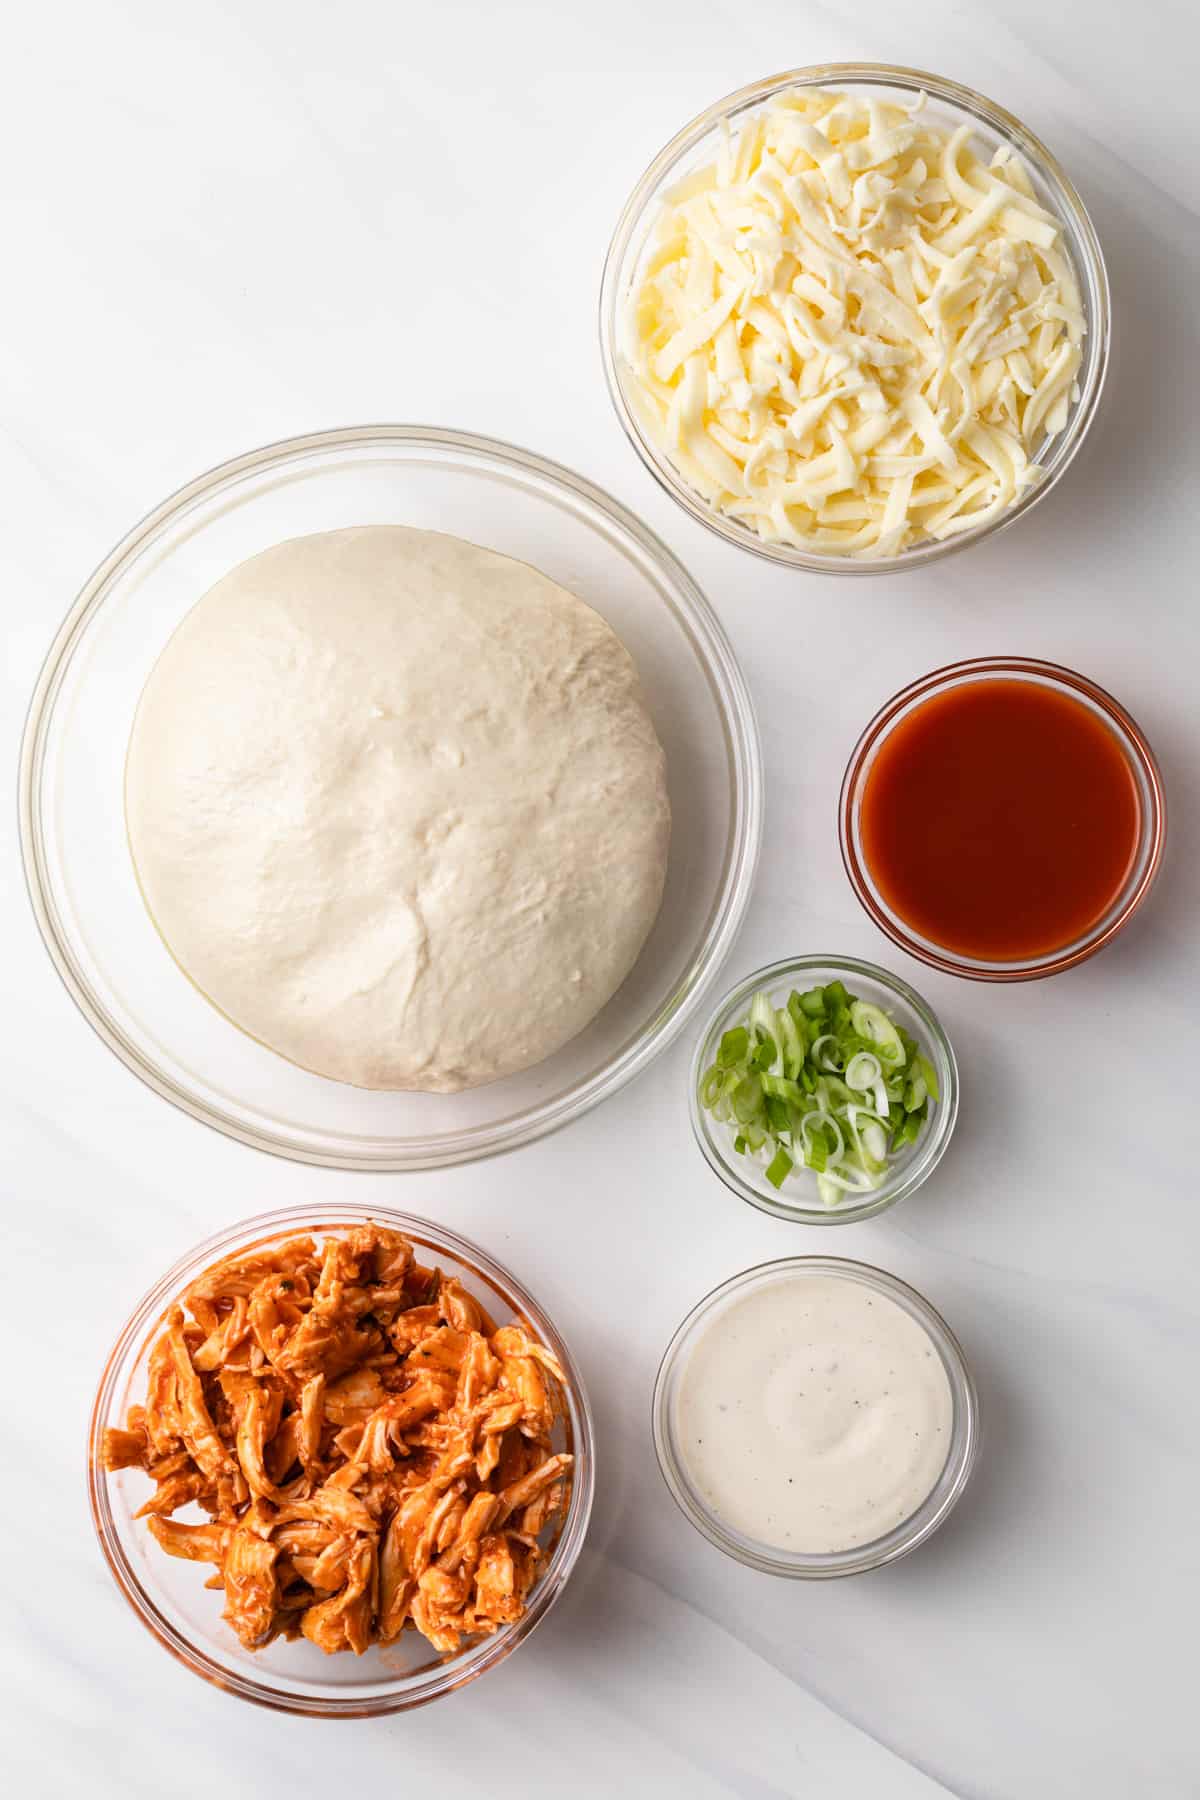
{"x": 397, "y": 807}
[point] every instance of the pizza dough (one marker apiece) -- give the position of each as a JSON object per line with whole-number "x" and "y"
{"x": 397, "y": 807}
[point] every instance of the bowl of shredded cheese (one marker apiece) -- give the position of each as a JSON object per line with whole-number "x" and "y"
{"x": 855, "y": 317}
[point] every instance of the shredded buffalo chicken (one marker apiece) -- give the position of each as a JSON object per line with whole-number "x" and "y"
{"x": 371, "y": 1451}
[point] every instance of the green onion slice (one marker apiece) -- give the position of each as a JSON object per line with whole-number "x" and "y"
{"x": 827, "y": 1083}
{"x": 780, "y": 1168}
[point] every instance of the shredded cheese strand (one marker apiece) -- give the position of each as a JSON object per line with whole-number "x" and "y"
{"x": 852, "y": 335}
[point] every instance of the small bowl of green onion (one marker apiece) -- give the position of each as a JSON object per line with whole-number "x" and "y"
{"x": 823, "y": 1089}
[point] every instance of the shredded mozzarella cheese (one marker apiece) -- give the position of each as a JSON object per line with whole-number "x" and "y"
{"x": 850, "y": 335}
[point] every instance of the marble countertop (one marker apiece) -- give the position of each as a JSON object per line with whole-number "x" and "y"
{"x": 234, "y": 222}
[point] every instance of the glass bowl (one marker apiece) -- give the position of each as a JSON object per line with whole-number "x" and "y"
{"x": 80, "y": 872}
{"x": 169, "y": 1596}
{"x": 807, "y": 1565}
{"x": 950, "y": 104}
{"x": 1152, "y": 808}
{"x": 745, "y": 1175}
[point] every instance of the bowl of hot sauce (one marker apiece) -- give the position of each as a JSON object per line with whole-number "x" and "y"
{"x": 1002, "y": 818}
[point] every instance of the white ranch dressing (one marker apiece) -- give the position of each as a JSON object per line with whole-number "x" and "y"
{"x": 814, "y": 1414}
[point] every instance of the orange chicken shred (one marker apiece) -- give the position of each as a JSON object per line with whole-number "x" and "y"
{"x": 373, "y": 1454}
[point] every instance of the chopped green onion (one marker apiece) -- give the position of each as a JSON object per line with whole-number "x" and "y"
{"x": 826, "y": 1083}
{"x": 780, "y": 1168}
{"x": 909, "y": 1131}
{"x": 711, "y": 1088}
{"x": 863, "y": 1071}
{"x": 747, "y": 1098}
{"x": 875, "y": 1141}
{"x": 778, "y": 1116}
{"x": 762, "y": 1023}
{"x": 914, "y": 1092}
{"x": 793, "y": 1041}
{"x": 873, "y": 1024}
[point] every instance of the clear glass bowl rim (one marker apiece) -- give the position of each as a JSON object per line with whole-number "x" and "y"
{"x": 1137, "y": 750}
{"x": 745, "y": 835}
{"x": 930, "y": 1147}
{"x": 913, "y": 1531}
{"x": 1093, "y": 279}
{"x": 471, "y": 1663}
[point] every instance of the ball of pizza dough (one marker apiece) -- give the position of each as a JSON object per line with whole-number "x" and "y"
{"x": 397, "y": 807}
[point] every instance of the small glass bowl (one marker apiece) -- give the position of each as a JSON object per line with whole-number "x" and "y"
{"x": 169, "y": 1596}
{"x": 1152, "y": 810}
{"x": 807, "y": 1565}
{"x": 80, "y": 874}
{"x": 949, "y": 103}
{"x": 746, "y": 1175}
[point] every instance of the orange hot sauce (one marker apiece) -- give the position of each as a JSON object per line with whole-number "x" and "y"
{"x": 1000, "y": 819}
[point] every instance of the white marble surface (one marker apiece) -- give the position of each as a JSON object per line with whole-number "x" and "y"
{"x": 230, "y": 222}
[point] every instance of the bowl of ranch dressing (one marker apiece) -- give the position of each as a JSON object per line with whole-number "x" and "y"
{"x": 815, "y": 1417}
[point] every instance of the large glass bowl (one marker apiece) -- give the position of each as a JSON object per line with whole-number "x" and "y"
{"x": 169, "y": 1596}
{"x": 77, "y": 859}
{"x": 798, "y": 1199}
{"x": 949, "y": 104}
{"x": 799, "y": 1564}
